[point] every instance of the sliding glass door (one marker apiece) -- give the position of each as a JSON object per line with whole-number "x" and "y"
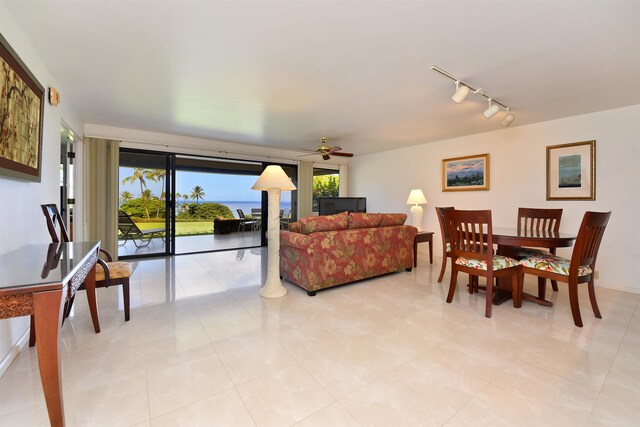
{"x": 144, "y": 218}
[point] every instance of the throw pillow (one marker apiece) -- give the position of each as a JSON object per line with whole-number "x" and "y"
{"x": 295, "y": 227}
{"x": 364, "y": 220}
{"x": 335, "y": 222}
{"x": 389, "y": 219}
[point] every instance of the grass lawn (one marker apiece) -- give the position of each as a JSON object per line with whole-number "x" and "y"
{"x": 182, "y": 228}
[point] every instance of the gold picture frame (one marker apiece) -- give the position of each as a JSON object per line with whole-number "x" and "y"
{"x": 571, "y": 171}
{"x": 468, "y": 173}
{"x": 21, "y": 118}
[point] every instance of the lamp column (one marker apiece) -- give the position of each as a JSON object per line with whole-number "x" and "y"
{"x": 273, "y": 287}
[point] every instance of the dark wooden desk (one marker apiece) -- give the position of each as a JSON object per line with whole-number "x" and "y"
{"x": 508, "y": 239}
{"x": 423, "y": 236}
{"x": 36, "y": 280}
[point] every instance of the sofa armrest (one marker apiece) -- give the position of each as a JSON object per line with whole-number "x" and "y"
{"x": 296, "y": 240}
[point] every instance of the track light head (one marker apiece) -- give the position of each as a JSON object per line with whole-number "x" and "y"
{"x": 492, "y": 110}
{"x": 507, "y": 119}
{"x": 461, "y": 92}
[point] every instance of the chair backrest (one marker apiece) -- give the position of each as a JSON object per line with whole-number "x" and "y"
{"x": 440, "y": 212}
{"x": 256, "y": 211}
{"x": 540, "y": 220}
{"x": 470, "y": 234}
{"x": 54, "y": 220}
{"x": 240, "y": 214}
{"x": 126, "y": 224}
{"x": 588, "y": 241}
{"x": 286, "y": 214}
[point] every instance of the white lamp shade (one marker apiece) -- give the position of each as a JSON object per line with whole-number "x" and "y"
{"x": 416, "y": 197}
{"x": 491, "y": 111}
{"x": 460, "y": 94}
{"x": 273, "y": 177}
{"x": 507, "y": 119}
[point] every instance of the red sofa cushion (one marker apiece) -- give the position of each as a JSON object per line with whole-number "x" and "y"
{"x": 389, "y": 219}
{"x": 364, "y": 220}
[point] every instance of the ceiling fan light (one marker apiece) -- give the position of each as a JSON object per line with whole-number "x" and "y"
{"x": 461, "y": 93}
{"x": 492, "y": 110}
{"x": 507, "y": 120}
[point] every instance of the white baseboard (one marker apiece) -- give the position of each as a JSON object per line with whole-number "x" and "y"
{"x": 618, "y": 288}
{"x": 13, "y": 352}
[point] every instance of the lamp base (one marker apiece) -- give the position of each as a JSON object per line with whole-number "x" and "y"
{"x": 416, "y": 216}
{"x": 273, "y": 287}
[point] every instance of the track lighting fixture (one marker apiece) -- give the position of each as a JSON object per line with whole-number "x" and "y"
{"x": 507, "y": 119}
{"x": 492, "y": 110}
{"x": 463, "y": 89}
{"x": 461, "y": 92}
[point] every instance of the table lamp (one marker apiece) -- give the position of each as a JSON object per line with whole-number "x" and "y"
{"x": 273, "y": 180}
{"x": 416, "y": 198}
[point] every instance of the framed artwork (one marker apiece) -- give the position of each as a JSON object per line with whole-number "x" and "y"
{"x": 470, "y": 173}
{"x": 21, "y": 113}
{"x": 571, "y": 171}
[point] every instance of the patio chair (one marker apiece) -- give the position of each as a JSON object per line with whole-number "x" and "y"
{"x": 130, "y": 230}
{"x": 285, "y": 218}
{"x": 244, "y": 222}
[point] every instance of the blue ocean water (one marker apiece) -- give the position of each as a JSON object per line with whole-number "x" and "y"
{"x": 245, "y": 206}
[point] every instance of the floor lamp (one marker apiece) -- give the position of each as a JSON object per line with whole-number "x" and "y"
{"x": 273, "y": 180}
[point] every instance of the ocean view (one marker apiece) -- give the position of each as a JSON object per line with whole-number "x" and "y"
{"x": 245, "y": 205}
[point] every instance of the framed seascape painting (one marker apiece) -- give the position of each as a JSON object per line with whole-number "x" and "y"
{"x": 571, "y": 171}
{"x": 21, "y": 112}
{"x": 470, "y": 173}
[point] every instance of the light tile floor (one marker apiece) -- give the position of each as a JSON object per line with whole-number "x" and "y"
{"x": 203, "y": 349}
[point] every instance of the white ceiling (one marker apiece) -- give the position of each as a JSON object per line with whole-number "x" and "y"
{"x": 284, "y": 73}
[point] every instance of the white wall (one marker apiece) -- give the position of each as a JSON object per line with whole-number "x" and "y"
{"x": 518, "y": 179}
{"x": 21, "y": 220}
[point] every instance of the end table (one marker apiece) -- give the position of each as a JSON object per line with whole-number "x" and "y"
{"x": 423, "y": 236}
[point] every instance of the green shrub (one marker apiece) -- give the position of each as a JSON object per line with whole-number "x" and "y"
{"x": 205, "y": 211}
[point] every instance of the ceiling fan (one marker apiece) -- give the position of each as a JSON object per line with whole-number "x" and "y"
{"x": 326, "y": 151}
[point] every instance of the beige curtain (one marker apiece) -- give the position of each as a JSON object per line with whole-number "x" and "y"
{"x": 102, "y": 192}
{"x": 305, "y": 188}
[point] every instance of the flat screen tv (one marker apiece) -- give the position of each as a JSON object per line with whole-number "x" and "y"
{"x": 334, "y": 205}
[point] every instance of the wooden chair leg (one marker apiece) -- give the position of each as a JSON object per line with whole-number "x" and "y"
{"x": 126, "y": 299}
{"x": 542, "y": 287}
{"x": 515, "y": 290}
{"x": 489, "y": 297}
{"x": 592, "y": 298}
{"x": 452, "y": 284}
{"x": 445, "y": 258}
{"x": 575, "y": 307}
{"x": 554, "y": 285}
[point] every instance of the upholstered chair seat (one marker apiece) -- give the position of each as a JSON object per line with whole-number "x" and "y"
{"x": 554, "y": 264}
{"x": 499, "y": 262}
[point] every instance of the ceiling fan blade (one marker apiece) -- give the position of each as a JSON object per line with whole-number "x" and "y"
{"x": 342, "y": 154}
{"x": 306, "y": 149}
{"x": 334, "y": 149}
{"x": 310, "y": 154}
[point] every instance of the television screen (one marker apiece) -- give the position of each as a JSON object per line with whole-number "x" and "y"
{"x": 334, "y": 205}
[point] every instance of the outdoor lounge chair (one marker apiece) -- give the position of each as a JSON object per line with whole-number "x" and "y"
{"x": 130, "y": 230}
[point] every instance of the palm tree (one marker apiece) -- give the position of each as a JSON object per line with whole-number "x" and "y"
{"x": 197, "y": 193}
{"x": 141, "y": 175}
{"x": 125, "y": 196}
{"x": 159, "y": 175}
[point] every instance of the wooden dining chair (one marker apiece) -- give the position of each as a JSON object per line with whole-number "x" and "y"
{"x": 538, "y": 220}
{"x": 108, "y": 273}
{"x": 581, "y": 266}
{"x": 446, "y": 247}
{"x": 470, "y": 236}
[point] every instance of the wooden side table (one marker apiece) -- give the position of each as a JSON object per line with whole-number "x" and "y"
{"x": 423, "y": 236}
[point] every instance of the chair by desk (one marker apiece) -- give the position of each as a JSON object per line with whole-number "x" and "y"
{"x": 107, "y": 273}
{"x": 580, "y": 268}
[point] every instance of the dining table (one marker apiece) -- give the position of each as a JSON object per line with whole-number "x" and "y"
{"x": 508, "y": 239}
{"x": 36, "y": 280}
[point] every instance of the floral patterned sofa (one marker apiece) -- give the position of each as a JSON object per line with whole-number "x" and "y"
{"x": 323, "y": 251}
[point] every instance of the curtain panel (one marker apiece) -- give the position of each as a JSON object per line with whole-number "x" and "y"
{"x": 101, "y": 174}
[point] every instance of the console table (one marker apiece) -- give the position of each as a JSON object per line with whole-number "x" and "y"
{"x": 36, "y": 280}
